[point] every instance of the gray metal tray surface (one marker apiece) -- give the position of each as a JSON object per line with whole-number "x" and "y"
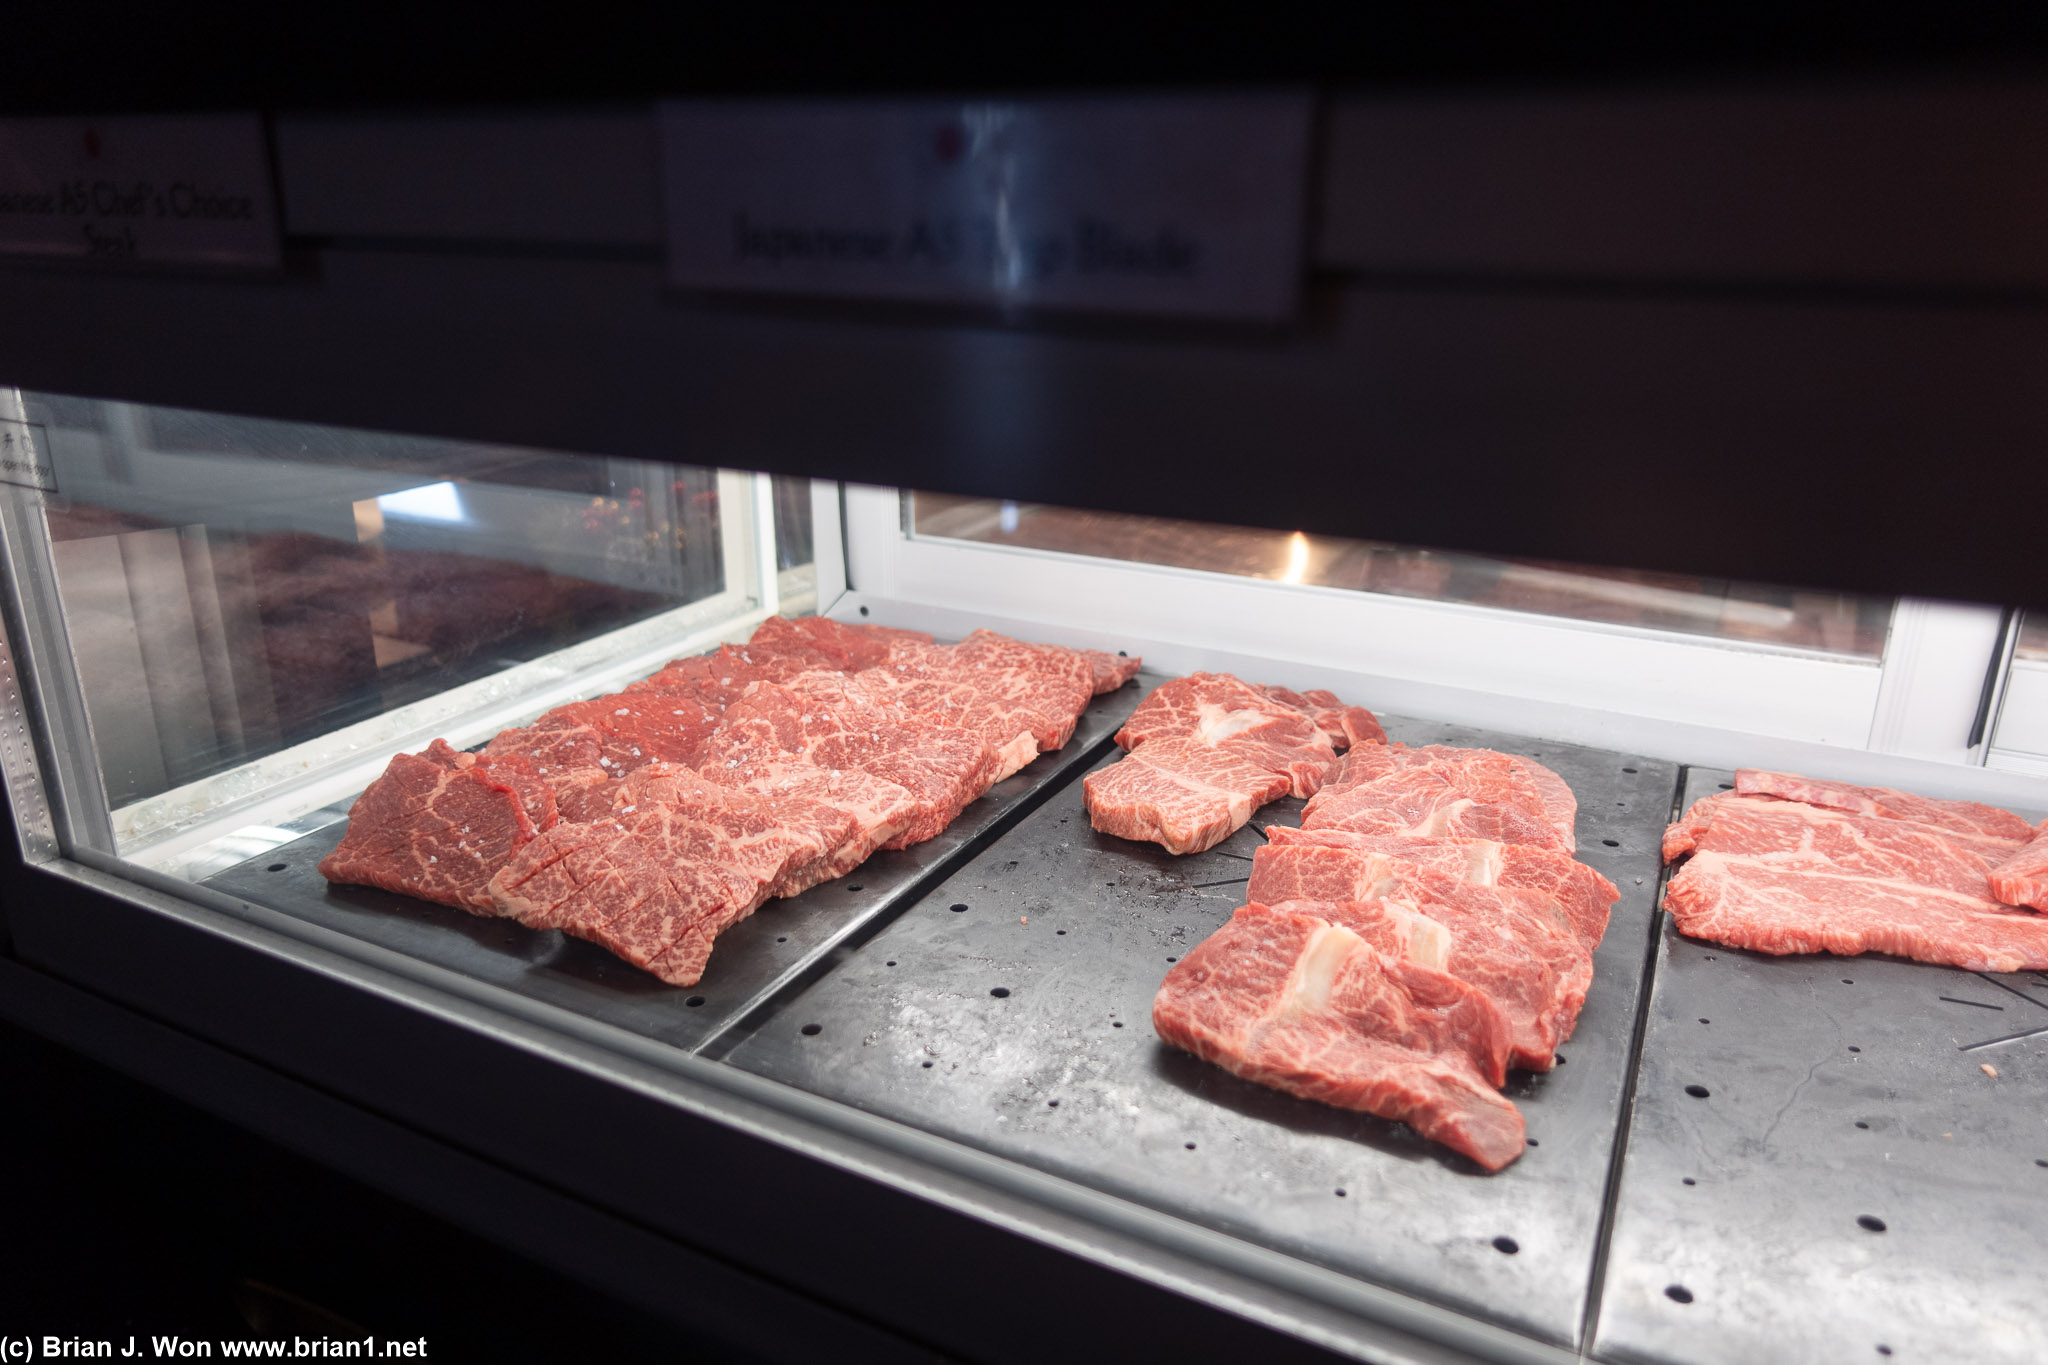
{"x": 1820, "y": 1168}
{"x": 755, "y": 962}
{"x": 1011, "y": 1009}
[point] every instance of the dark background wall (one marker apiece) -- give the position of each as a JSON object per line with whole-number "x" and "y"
{"x": 126, "y": 1211}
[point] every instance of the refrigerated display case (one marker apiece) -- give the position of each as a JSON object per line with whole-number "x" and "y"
{"x": 1560, "y": 501}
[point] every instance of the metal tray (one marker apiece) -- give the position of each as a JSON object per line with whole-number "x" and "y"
{"x": 1844, "y": 1181}
{"x": 1851, "y": 1185}
{"x": 1011, "y": 1009}
{"x": 779, "y": 949}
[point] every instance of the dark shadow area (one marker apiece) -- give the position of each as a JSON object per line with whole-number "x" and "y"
{"x": 128, "y": 1212}
{"x": 256, "y": 55}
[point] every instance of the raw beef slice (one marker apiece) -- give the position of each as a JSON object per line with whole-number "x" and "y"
{"x": 1057, "y": 682}
{"x": 1111, "y": 670}
{"x": 1795, "y": 834}
{"x": 1309, "y": 1007}
{"x": 1345, "y": 725}
{"x": 1757, "y": 901}
{"x": 1484, "y": 775}
{"x": 786, "y": 840}
{"x": 891, "y": 635}
{"x": 1180, "y": 794}
{"x": 655, "y": 887}
{"x": 816, "y": 641}
{"x": 877, "y": 809}
{"x": 717, "y": 679}
{"x": 2022, "y": 879}
{"x": 1007, "y": 728}
{"x": 1587, "y": 897}
{"x": 439, "y": 825}
{"x": 1423, "y": 803}
{"x": 1217, "y": 711}
{"x": 617, "y": 733}
{"x": 939, "y": 666}
{"x": 1956, "y": 817}
{"x": 833, "y": 724}
{"x": 1517, "y": 946}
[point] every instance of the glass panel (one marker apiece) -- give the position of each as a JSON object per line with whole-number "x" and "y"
{"x": 1838, "y": 623}
{"x": 2033, "y": 641}
{"x": 2020, "y": 739}
{"x": 792, "y": 522}
{"x": 795, "y": 559}
{"x": 234, "y": 586}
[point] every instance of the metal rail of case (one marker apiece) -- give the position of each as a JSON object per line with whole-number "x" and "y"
{"x": 1010, "y": 1009}
{"x": 756, "y": 962}
{"x": 1831, "y": 1159}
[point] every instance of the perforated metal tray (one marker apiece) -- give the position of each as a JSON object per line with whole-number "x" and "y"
{"x": 1819, "y": 1168}
{"x": 1010, "y": 1009}
{"x": 779, "y": 949}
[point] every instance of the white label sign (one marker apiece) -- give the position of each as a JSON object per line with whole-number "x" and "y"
{"x": 178, "y": 190}
{"x": 1188, "y": 206}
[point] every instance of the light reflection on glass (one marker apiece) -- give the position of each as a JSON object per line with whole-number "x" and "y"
{"x": 440, "y": 502}
{"x": 1836, "y": 623}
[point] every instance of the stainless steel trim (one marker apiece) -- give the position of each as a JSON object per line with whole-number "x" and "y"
{"x": 18, "y": 763}
{"x": 51, "y": 723}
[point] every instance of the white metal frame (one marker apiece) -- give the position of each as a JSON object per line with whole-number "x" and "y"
{"x": 2019, "y": 726}
{"x": 1903, "y": 720}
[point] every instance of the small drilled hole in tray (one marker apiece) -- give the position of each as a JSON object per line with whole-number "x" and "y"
{"x": 1677, "y": 1293}
{"x": 1698, "y": 1092}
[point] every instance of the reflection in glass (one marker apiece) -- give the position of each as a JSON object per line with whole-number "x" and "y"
{"x": 234, "y": 586}
{"x": 2033, "y": 641}
{"x": 1838, "y": 623}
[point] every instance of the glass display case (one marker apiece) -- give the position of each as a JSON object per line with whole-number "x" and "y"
{"x": 917, "y": 1099}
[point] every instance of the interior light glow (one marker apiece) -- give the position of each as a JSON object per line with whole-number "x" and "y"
{"x": 431, "y": 502}
{"x": 1297, "y": 559}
